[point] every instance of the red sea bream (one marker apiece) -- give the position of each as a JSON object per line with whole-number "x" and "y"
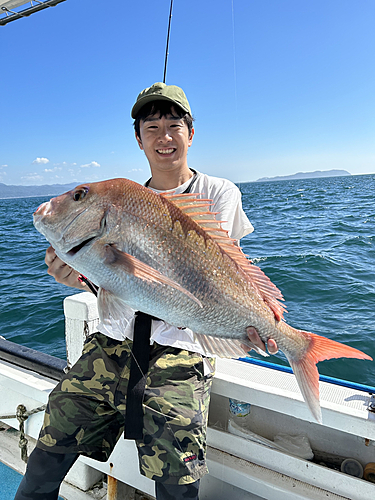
{"x": 167, "y": 255}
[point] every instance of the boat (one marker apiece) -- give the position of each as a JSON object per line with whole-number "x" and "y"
{"x": 245, "y": 460}
{"x": 11, "y": 10}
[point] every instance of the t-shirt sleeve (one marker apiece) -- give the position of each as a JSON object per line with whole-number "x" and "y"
{"x": 235, "y": 221}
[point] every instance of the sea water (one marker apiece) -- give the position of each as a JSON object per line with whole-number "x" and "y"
{"x": 315, "y": 239}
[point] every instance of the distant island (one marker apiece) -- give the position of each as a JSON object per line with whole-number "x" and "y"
{"x": 32, "y": 191}
{"x": 14, "y": 191}
{"x": 306, "y": 175}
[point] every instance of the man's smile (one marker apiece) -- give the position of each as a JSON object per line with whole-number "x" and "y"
{"x": 166, "y": 151}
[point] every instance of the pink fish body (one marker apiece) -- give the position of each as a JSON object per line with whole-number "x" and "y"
{"x": 167, "y": 255}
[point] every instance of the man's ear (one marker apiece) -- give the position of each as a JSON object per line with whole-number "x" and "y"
{"x": 138, "y": 139}
{"x": 191, "y": 137}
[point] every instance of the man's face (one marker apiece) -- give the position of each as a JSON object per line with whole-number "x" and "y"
{"x": 165, "y": 141}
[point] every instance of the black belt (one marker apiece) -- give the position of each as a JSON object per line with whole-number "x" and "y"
{"x": 138, "y": 374}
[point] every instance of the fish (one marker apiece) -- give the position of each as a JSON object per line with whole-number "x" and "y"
{"x": 168, "y": 255}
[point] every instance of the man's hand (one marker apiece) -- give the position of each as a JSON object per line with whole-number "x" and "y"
{"x": 255, "y": 339}
{"x": 62, "y": 272}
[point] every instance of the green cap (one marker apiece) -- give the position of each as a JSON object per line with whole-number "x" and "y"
{"x": 161, "y": 92}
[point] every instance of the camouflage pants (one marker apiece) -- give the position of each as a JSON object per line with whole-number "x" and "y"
{"x": 86, "y": 411}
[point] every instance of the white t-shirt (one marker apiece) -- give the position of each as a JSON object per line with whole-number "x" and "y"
{"x": 226, "y": 199}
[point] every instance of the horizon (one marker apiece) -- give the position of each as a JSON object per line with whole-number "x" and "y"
{"x": 286, "y": 87}
{"x": 260, "y": 179}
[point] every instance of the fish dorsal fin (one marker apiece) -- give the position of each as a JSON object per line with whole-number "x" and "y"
{"x": 198, "y": 210}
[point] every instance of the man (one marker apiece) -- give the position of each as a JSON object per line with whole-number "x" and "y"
{"x": 90, "y": 407}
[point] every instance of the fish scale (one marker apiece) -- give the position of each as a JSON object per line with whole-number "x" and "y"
{"x": 167, "y": 255}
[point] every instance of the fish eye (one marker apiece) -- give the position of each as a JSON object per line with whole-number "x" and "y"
{"x": 80, "y": 193}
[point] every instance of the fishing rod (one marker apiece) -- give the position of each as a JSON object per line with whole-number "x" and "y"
{"x": 167, "y": 47}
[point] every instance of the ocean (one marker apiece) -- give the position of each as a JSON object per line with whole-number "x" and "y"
{"x": 315, "y": 239}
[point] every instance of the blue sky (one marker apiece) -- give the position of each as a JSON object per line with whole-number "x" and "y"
{"x": 289, "y": 89}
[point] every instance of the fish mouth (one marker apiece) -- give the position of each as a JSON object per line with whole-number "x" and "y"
{"x": 73, "y": 251}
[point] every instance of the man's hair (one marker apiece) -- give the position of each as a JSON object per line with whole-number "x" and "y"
{"x": 164, "y": 108}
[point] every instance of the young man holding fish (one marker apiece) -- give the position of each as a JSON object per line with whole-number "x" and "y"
{"x": 172, "y": 444}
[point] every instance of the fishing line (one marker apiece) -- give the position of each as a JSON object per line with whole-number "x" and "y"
{"x": 167, "y": 46}
{"x": 234, "y": 59}
{"x": 41, "y": 265}
{"x": 94, "y": 288}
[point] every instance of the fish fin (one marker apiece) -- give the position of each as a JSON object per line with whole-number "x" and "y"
{"x": 306, "y": 372}
{"x": 226, "y": 348}
{"x": 143, "y": 271}
{"x": 198, "y": 210}
{"x": 111, "y": 307}
{"x": 307, "y": 376}
{"x": 322, "y": 348}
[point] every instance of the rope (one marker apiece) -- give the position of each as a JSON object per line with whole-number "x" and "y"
{"x": 22, "y": 415}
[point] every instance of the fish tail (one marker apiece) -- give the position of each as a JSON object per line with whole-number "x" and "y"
{"x": 306, "y": 372}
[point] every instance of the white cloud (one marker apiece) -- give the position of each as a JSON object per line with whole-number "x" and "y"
{"x": 92, "y": 164}
{"x": 52, "y": 169}
{"x": 4, "y": 166}
{"x": 41, "y": 160}
{"x": 135, "y": 170}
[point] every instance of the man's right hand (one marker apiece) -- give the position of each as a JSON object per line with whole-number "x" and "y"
{"x": 62, "y": 272}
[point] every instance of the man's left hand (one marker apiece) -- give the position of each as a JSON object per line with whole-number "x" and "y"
{"x": 255, "y": 339}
